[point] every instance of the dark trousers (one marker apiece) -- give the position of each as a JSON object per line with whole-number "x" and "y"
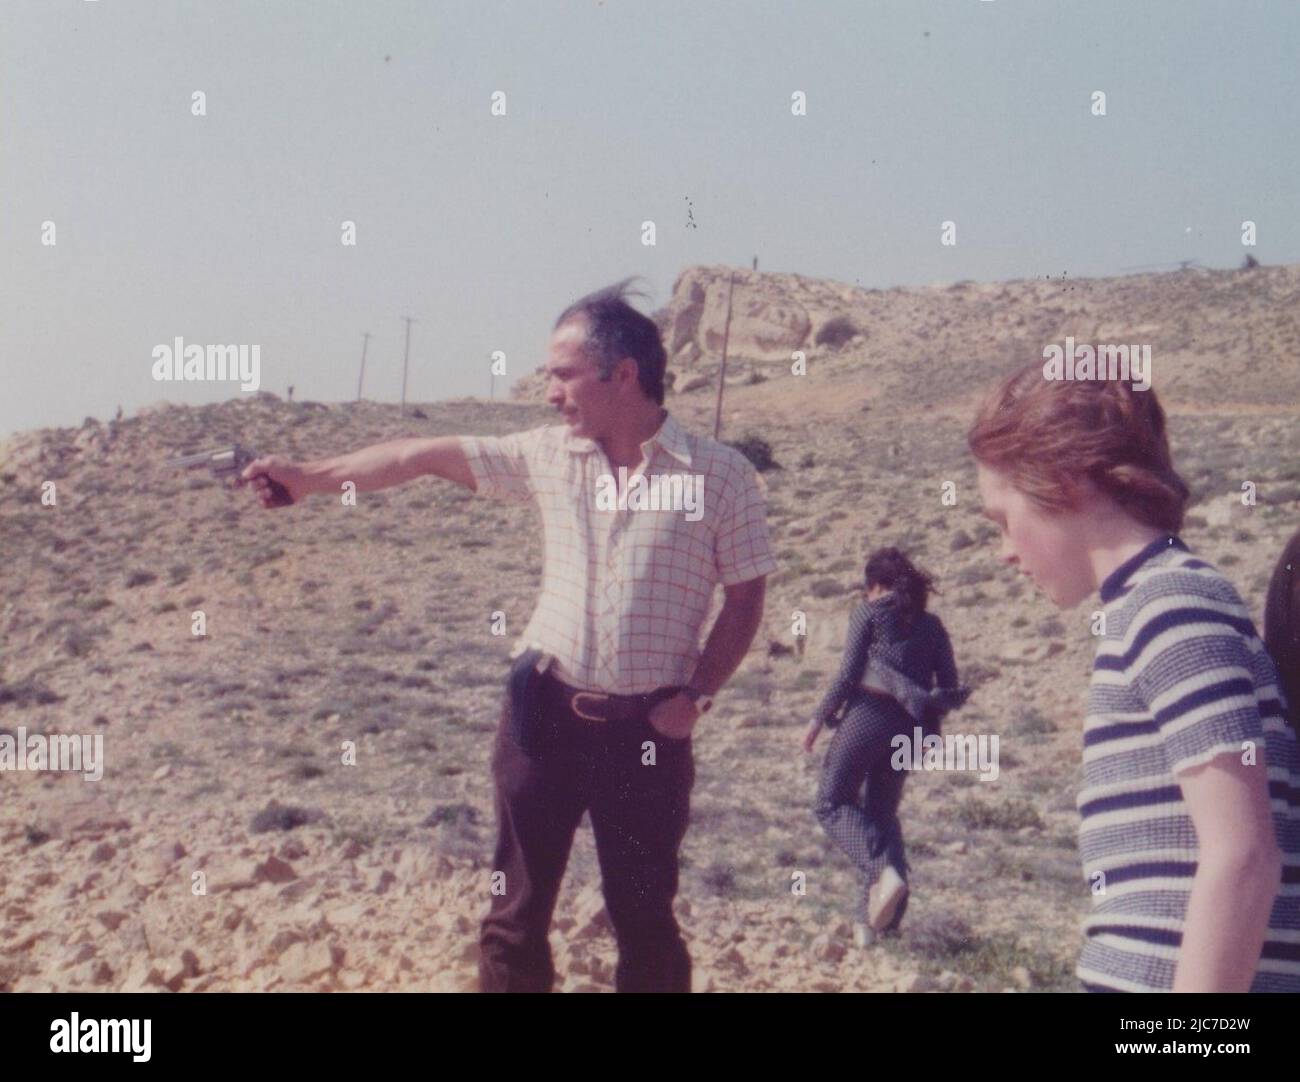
{"x": 639, "y": 815}
{"x": 859, "y": 792}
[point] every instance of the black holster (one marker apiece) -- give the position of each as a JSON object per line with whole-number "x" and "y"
{"x": 524, "y": 685}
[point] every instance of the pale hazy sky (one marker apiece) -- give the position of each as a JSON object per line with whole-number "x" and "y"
{"x": 226, "y": 228}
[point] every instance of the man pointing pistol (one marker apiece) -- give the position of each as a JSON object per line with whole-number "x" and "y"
{"x": 614, "y": 675}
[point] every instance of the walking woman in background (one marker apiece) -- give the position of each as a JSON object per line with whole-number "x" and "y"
{"x": 894, "y": 650}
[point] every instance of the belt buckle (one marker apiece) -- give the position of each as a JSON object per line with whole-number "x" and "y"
{"x": 573, "y": 705}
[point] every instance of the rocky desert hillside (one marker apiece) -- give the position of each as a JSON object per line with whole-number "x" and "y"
{"x": 1215, "y": 336}
{"x": 371, "y": 624}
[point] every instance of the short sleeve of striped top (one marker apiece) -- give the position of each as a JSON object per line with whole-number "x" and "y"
{"x": 503, "y": 465}
{"x": 1193, "y": 666}
{"x": 1180, "y": 677}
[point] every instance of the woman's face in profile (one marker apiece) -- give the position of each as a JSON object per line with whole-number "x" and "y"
{"x": 1050, "y": 548}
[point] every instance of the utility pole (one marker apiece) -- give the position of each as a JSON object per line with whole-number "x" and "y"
{"x": 722, "y": 372}
{"x": 365, "y": 341}
{"x": 406, "y": 357}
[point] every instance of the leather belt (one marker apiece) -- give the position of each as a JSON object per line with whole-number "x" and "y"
{"x": 604, "y": 706}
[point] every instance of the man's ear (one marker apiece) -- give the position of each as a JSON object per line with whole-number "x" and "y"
{"x": 627, "y": 371}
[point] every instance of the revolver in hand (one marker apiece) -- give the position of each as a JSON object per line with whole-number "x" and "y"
{"x": 229, "y": 462}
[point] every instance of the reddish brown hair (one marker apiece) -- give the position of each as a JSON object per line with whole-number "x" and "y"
{"x": 1046, "y": 435}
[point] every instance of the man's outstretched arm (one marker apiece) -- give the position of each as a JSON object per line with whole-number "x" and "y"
{"x": 381, "y": 465}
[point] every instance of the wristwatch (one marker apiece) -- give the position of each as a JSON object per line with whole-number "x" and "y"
{"x": 702, "y": 702}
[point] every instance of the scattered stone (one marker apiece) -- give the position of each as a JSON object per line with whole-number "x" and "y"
{"x": 826, "y": 949}
{"x": 350, "y": 914}
{"x": 241, "y": 876}
{"x": 589, "y": 917}
{"x": 304, "y": 962}
{"x": 283, "y": 940}
{"x": 276, "y": 816}
{"x": 110, "y": 919}
{"x": 702, "y": 981}
{"x": 732, "y": 957}
{"x": 274, "y": 870}
{"x": 84, "y": 953}
{"x": 179, "y": 968}
{"x": 293, "y": 849}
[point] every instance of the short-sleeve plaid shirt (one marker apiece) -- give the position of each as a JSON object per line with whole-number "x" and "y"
{"x": 626, "y": 589}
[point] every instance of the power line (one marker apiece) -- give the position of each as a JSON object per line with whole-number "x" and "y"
{"x": 406, "y": 358}
{"x": 361, "y": 378}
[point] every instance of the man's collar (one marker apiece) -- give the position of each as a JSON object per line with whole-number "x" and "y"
{"x": 1115, "y": 582}
{"x": 670, "y": 436}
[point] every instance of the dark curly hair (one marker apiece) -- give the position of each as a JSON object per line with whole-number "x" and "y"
{"x": 891, "y": 569}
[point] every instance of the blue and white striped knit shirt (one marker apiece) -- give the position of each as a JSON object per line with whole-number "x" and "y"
{"x": 1180, "y": 676}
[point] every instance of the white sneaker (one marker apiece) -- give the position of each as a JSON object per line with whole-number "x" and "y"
{"x": 884, "y": 898}
{"x": 863, "y": 936}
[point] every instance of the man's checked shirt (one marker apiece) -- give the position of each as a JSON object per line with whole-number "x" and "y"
{"x": 625, "y": 592}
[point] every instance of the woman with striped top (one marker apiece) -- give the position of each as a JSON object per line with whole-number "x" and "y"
{"x": 1190, "y": 807}
{"x": 895, "y": 649}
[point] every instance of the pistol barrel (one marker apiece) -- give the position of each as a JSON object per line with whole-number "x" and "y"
{"x": 221, "y": 458}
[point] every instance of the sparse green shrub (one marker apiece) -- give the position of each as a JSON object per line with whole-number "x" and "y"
{"x": 1028, "y": 720}
{"x": 1009, "y": 815}
{"x": 824, "y": 588}
{"x": 721, "y": 880}
{"x": 836, "y": 332}
{"x": 757, "y": 450}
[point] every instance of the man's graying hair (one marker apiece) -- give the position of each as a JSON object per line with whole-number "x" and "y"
{"x": 616, "y": 330}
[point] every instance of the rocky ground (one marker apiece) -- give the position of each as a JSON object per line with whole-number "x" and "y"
{"x": 229, "y": 847}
